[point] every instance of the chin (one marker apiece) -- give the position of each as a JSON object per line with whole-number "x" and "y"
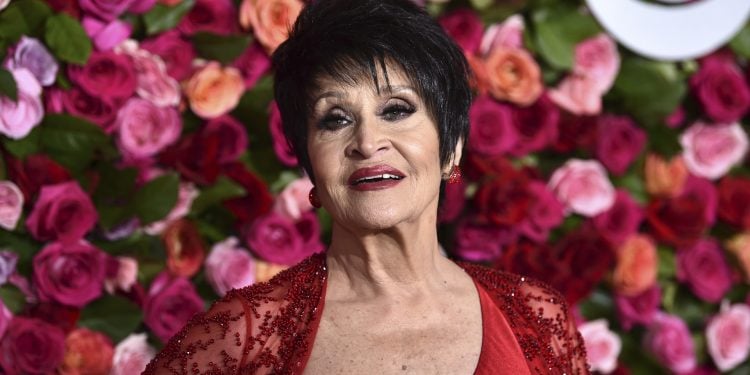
{"x": 371, "y": 218}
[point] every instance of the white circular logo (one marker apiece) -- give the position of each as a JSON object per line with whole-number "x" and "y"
{"x": 674, "y": 30}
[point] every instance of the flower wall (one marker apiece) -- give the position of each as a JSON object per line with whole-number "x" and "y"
{"x": 144, "y": 174}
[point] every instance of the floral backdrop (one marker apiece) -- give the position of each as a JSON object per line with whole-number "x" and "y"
{"x": 144, "y": 174}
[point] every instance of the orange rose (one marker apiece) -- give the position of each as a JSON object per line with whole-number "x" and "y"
{"x": 514, "y": 76}
{"x": 87, "y": 352}
{"x": 739, "y": 246}
{"x": 185, "y": 249}
{"x": 637, "y": 263}
{"x": 479, "y": 80}
{"x": 665, "y": 179}
{"x": 214, "y": 90}
{"x": 264, "y": 271}
{"x": 270, "y": 20}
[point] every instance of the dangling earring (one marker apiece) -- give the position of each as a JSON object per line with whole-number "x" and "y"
{"x": 313, "y": 197}
{"x": 455, "y": 175}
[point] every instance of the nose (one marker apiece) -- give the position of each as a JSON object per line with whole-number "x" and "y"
{"x": 367, "y": 141}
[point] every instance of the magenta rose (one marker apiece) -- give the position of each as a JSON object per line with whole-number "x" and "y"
{"x": 177, "y": 53}
{"x": 71, "y": 274}
{"x": 63, "y": 212}
{"x": 702, "y": 190}
{"x": 97, "y": 109}
{"x": 106, "y": 35}
{"x": 721, "y": 89}
{"x": 669, "y": 339}
{"x": 639, "y": 309}
{"x": 170, "y": 303}
{"x": 583, "y": 187}
{"x": 106, "y": 74}
{"x": 545, "y": 213}
{"x": 309, "y": 229}
{"x": 480, "y": 243}
{"x": 274, "y": 238}
{"x": 728, "y": 336}
{"x": 106, "y": 9}
{"x": 453, "y": 201}
{"x": 492, "y": 132}
{"x": 145, "y": 129}
{"x": 619, "y": 142}
{"x": 31, "y": 346}
{"x": 621, "y": 220}
{"x": 253, "y": 64}
{"x": 281, "y": 146}
{"x": 703, "y": 267}
{"x": 18, "y": 118}
{"x": 6, "y": 316}
{"x": 214, "y": 16}
{"x": 229, "y": 266}
{"x": 465, "y": 27}
{"x": 31, "y": 54}
{"x": 536, "y": 126}
{"x": 710, "y": 151}
{"x": 141, "y": 6}
{"x": 11, "y": 205}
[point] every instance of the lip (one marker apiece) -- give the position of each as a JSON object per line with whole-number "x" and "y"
{"x": 374, "y": 171}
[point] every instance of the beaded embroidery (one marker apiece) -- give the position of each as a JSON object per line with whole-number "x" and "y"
{"x": 269, "y": 328}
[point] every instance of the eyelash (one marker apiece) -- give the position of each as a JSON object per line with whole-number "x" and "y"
{"x": 391, "y": 113}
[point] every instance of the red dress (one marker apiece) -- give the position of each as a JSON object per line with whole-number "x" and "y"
{"x": 269, "y": 328}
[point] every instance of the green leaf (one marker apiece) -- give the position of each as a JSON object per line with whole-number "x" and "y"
{"x": 114, "y": 316}
{"x": 222, "y": 190}
{"x": 25, "y": 17}
{"x": 558, "y": 29}
{"x": 667, "y": 263}
{"x": 13, "y": 298}
{"x": 156, "y": 198}
{"x": 113, "y": 195}
{"x": 161, "y": 17}
{"x": 224, "y": 49}
{"x": 23, "y": 246}
{"x": 71, "y": 141}
{"x": 25, "y": 146}
{"x": 740, "y": 44}
{"x": 8, "y": 86}
{"x": 67, "y": 40}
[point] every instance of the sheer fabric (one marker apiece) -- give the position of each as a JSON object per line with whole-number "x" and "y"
{"x": 269, "y": 328}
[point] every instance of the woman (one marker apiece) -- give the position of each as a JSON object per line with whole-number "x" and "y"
{"x": 374, "y": 100}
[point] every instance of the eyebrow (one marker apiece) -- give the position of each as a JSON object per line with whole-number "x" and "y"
{"x": 341, "y": 95}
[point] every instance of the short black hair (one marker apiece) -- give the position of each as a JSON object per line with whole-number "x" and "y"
{"x": 347, "y": 40}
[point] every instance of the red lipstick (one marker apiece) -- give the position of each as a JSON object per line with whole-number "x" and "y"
{"x": 375, "y": 178}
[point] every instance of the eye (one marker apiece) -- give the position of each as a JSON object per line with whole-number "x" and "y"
{"x": 334, "y": 120}
{"x": 397, "y": 111}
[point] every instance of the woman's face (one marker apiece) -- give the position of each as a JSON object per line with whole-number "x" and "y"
{"x": 374, "y": 154}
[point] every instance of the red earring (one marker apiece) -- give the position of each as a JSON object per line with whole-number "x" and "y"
{"x": 313, "y": 197}
{"x": 455, "y": 175}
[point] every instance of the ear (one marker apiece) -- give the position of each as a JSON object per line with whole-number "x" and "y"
{"x": 456, "y": 158}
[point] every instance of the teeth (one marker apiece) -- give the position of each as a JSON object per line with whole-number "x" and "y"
{"x": 378, "y": 177}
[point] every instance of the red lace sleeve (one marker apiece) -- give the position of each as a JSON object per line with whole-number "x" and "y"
{"x": 266, "y": 328}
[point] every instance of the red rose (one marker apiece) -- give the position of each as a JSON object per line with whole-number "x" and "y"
{"x": 178, "y": 54}
{"x": 256, "y": 202}
{"x": 97, "y": 109}
{"x": 721, "y": 89}
{"x": 503, "y": 200}
{"x": 575, "y": 132}
{"x": 184, "y": 247}
{"x": 734, "y": 201}
{"x": 171, "y": 302}
{"x": 63, "y": 212}
{"x": 465, "y": 27}
{"x": 618, "y": 143}
{"x": 678, "y": 221}
{"x": 214, "y": 16}
{"x": 106, "y": 74}
{"x": 34, "y": 172}
{"x": 71, "y": 274}
{"x": 71, "y": 7}
{"x": 536, "y": 126}
{"x": 573, "y": 267}
{"x": 31, "y": 346}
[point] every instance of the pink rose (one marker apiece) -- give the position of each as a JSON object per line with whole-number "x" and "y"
{"x": 669, "y": 339}
{"x": 293, "y": 200}
{"x": 19, "y": 117}
{"x": 480, "y": 243}
{"x": 70, "y": 274}
{"x": 185, "y": 197}
{"x": 176, "y": 52}
{"x": 4, "y": 3}
{"x": 229, "y": 266}
{"x": 638, "y": 309}
{"x": 132, "y": 355}
{"x": 106, "y": 74}
{"x": 579, "y": 95}
{"x": 145, "y": 129}
{"x": 721, "y": 89}
{"x": 8, "y": 261}
{"x": 465, "y": 27}
{"x": 63, "y": 212}
{"x": 253, "y": 64}
{"x": 619, "y": 142}
{"x": 34, "y": 56}
{"x": 492, "y": 132}
{"x": 710, "y": 151}
{"x": 124, "y": 275}
{"x": 597, "y": 59}
{"x": 728, "y": 336}
{"x": 170, "y": 303}
{"x": 31, "y": 346}
{"x": 270, "y": 20}
{"x": 106, "y": 9}
{"x": 453, "y": 202}
{"x": 97, "y": 109}
{"x": 214, "y": 16}
{"x": 153, "y": 82}
{"x": 602, "y": 345}
{"x": 536, "y": 126}
{"x": 582, "y": 186}
{"x": 703, "y": 267}
{"x": 274, "y": 238}
{"x": 508, "y": 34}
{"x": 11, "y": 205}
{"x": 106, "y": 35}
{"x": 621, "y": 220}
{"x": 545, "y": 212}
{"x": 281, "y": 147}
